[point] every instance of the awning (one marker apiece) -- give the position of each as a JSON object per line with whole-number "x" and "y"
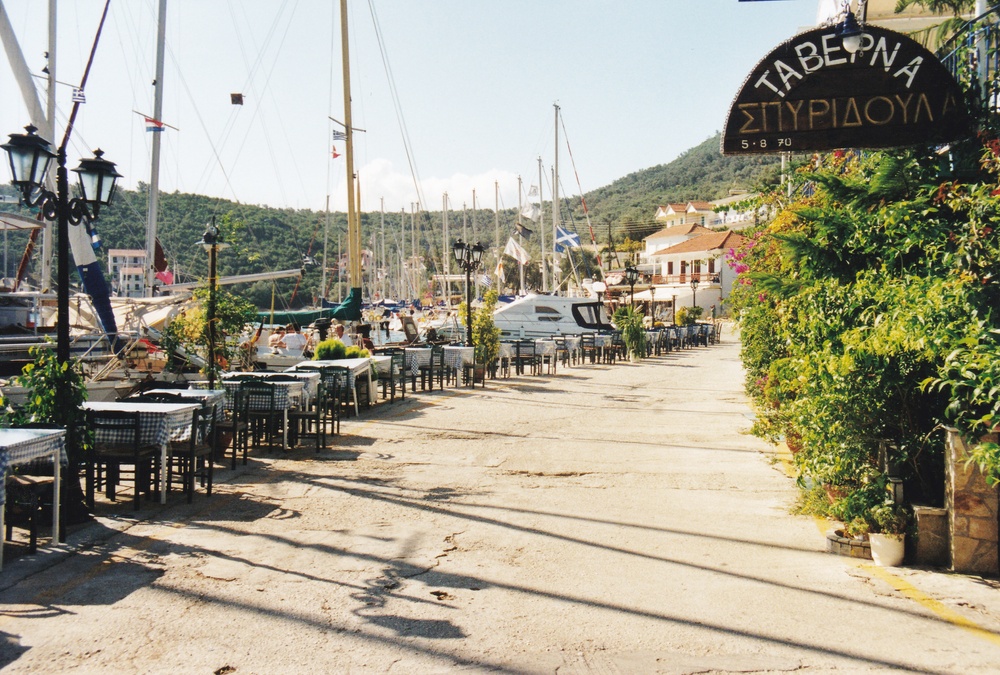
{"x": 12, "y": 222}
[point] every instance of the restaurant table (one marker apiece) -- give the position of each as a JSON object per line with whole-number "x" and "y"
{"x": 573, "y": 347}
{"x": 361, "y": 366}
{"x": 286, "y": 395}
{"x": 159, "y": 423}
{"x": 417, "y": 357}
{"x": 310, "y": 380}
{"x": 215, "y": 397}
{"x": 457, "y": 357}
{"x": 18, "y": 446}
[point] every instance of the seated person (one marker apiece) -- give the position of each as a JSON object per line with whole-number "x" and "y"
{"x": 340, "y": 335}
{"x": 294, "y": 340}
{"x": 276, "y": 340}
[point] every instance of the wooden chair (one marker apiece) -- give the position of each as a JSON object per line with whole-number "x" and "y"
{"x": 588, "y": 347}
{"x": 193, "y": 457}
{"x": 237, "y": 424}
{"x": 312, "y": 421}
{"x": 433, "y": 369}
{"x": 30, "y": 491}
{"x": 525, "y": 357}
{"x": 265, "y": 417}
{"x": 397, "y": 373}
{"x": 118, "y": 443}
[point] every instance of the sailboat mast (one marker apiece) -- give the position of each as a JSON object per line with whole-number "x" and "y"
{"x": 326, "y": 242}
{"x": 541, "y": 230}
{"x": 555, "y": 205}
{"x": 353, "y": 231}
{"x": 154, "y": 171}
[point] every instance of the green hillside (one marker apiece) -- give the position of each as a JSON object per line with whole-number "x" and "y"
{"x": 267, "y": 239}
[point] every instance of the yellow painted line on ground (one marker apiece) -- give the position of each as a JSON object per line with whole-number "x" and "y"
{"x": 940, "y": 609}
{"x": 784, "y": 456}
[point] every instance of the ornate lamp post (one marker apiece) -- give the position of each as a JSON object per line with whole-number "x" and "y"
{"x": 30, "y": 156}
{"x": 469, "y": 256}
{"x": 631, "y": 276}
{"x": 211, "y": 241}
{"x": 694, "y": 291}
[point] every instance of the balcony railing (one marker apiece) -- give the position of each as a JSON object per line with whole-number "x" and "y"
{"x": 684, "y": 279}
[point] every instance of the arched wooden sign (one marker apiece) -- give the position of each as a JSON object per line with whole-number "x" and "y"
{"x": 811, "y": 94}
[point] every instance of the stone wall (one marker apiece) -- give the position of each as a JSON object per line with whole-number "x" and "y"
{"x": 972, "y": 512}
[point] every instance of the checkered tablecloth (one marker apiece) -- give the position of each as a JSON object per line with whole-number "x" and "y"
{"x": 18, "y": 446}
{"x": 456, "y": 357}
{"x": 356, "y": 366}
{"x": 310, "y": 379}
{"x": 159, "y": 423}
{"x": 285, "y": 395}
{"x": 545, "y": 348}
{"x": 417, "y": 357}
{"x": 216, "y": 397}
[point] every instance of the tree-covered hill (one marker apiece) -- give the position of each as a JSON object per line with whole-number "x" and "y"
{"x": 268, "y": 239}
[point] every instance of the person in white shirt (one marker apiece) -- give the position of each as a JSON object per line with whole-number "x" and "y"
{"x": 346, "y": 339}
{"x": 294, "y": 340}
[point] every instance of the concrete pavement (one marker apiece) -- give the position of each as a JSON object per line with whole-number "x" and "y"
{"x": 605, "y": 519}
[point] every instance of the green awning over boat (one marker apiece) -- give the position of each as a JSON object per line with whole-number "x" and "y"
{"x": 348, "y": 310}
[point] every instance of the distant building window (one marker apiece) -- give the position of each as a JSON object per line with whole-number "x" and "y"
{"x": 711, "y": 266}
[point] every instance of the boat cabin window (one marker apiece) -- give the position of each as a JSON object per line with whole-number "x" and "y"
{"x": 547, "y": 313}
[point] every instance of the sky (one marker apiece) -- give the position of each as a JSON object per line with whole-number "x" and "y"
{"x": 637, "y": 82}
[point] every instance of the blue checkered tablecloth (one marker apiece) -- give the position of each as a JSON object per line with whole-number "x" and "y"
{"x": 310, "y": 380}
{"x": 159, "y": 423}
{"x": 285, "y": 395}
{"x": 215, "y": 397}
{"x": 456, "y": 357}
{"x": 24, "y": 445}
{"x": 417, "y": 357}
{"x": 355, "y": 366}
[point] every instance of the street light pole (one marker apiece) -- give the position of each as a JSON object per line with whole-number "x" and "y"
{"x": 468, "y": 257}
{"x": 210, "y": 241}
{"x": 694, "y": 291}
{"x": 631, "y": 276}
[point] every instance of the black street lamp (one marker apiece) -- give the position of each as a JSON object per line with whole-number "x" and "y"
{"x": 211, "y": 241}
{"x": 631, "y": 276}
{"x": 694, "y": 291}
{"x": 468, "y": 256}
{"x": 30, "y": 156}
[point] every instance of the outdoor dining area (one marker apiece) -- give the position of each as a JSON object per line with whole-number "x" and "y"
{"x": 171, "y": 437}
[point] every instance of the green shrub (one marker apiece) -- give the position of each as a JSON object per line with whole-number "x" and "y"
{"x": 356, "y": 352}
{"x": 330, "y": 350}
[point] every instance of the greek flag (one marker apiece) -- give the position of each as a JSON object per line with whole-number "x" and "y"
{"x": 485, "y": 280}
{"x": 339, "y": 135}
{"x": 79, "y": 96}
{"x": 565, "y": 240}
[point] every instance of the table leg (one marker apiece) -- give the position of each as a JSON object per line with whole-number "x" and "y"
{"x": 56, "y": 493}
{"x": 163, "y": 475}
{"x": 284, "y": 430}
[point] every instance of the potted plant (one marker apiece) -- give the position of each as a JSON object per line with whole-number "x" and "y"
{"x": 485, "y": 335}
{"x": 630, "y": 322}
{"x": 889, "y": 523}
{"x": 330, "y": 350}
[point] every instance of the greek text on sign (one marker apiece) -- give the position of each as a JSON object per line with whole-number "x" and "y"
{"x": 811, "y": 94}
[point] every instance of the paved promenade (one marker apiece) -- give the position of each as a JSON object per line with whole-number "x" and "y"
{"x": 609, "y": 519}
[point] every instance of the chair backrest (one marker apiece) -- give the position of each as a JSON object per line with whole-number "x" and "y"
{"x": 241, "y": 405}
{"x": 338, "y": 376}
{"x": 587, "y": 340}
{"x": 398, "y": 364}
{"x": 437, "y": 357}
{"x": 120, "y": 427}
{"x": 281, "y": 377}
{"x": 202, "y": 425}
{"x": 260, "y": 394}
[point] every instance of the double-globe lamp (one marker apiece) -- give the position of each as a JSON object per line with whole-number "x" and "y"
{"x": 469, "y": 256}
{"x": 30, "y": 156}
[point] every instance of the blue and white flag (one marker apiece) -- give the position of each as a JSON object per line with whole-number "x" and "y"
{"x": 339, "y": 135}
{"x": 565, "y": 240}
{"x": 485, "y": 280}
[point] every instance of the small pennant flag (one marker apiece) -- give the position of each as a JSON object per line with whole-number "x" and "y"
{"x": 153, "y": 125}
{"x": 339, "y": 135}
{"x": 499, "y": 272}
{"x": 516, "y": 251}
{"x": 523, "y": 231}
{"x": 335, "y": 153}
{"x": 79, "y": 96}
{"x": 236, "y": 99}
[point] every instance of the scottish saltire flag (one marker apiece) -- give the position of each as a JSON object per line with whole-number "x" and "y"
{"x": 565, "y": 240}
{"x": 339, "y": 135}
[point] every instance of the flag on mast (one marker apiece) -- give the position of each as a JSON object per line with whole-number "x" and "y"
{"x": 516, "y": 251}
{"x": 153, "y": 125}
{"x": 499, "y": 271}
{"x": 566, "y": 239}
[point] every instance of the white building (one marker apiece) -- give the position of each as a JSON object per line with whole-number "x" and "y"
{"x": 124, "y": 282}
